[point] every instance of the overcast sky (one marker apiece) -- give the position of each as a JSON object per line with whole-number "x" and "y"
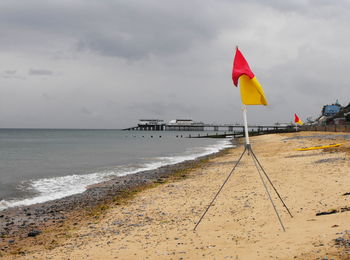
{"x": 106, "y": 64}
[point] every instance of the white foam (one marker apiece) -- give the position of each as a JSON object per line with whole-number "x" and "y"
{"x": 59, "y": 187}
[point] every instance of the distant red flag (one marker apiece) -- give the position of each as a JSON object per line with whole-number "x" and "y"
{"x": 240, "y": 67}
{"x": 297, "y": 120}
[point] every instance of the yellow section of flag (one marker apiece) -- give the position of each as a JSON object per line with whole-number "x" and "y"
{"x": 251, "y": 91}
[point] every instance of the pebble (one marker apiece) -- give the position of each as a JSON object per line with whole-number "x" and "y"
{"x": 135, "y": 225}
{"x": 34, "y": 233}
{"x": 342, "y": 242}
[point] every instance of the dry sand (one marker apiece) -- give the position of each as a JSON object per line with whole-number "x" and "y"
{"x": 158, "y": 223}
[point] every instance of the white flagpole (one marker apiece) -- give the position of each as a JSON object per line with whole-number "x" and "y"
{"x": 246, "y": 126}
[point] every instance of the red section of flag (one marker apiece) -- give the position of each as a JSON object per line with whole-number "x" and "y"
{"x": 296, "y": 118}
{"x": 240, "y": 67}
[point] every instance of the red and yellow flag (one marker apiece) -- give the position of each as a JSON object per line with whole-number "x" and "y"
{"x": 297, "y": 120}
{"x": 251, "y": 90}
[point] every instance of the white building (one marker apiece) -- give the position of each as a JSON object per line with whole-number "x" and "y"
{"x": 151, "y": 122}
{"x": 181, "y": 122}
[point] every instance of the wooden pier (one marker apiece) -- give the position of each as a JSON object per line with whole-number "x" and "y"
{"x": 252, "y": 132}
{"x": 205, "y": 127}
{"x": 221, "y": 131}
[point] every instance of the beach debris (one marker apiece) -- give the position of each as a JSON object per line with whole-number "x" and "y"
{"x": 136, "y": 225}
{"x": 160, "y": 180}
{"x": 346, "y": 193}
{"x": 344, "y": 209}
{"x": 34, "y": 233}
{"x": 302, "y": 155}
{"x": 317, "y": 147}
{"x": 327, "y": 160}
{"x": 335, "y": 226}
{"x": 343, "y": 241}
{"x": 117, "y": 223}
{"x": 332, "y": 211}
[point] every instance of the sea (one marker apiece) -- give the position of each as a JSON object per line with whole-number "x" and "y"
{"x": 38, "y": 165}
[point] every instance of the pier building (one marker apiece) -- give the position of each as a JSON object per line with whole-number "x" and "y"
{"x": 150, "y": 125}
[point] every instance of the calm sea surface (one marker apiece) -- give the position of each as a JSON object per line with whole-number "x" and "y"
{"x": 41, "y": 165}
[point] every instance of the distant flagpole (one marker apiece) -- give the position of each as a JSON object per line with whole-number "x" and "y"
{"x": 297, "y": 121}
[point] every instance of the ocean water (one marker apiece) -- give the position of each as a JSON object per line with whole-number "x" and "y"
{"x": 38, "y": 165}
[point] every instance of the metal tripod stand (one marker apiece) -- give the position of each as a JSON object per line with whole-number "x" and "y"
{"x": 260, "y": 169}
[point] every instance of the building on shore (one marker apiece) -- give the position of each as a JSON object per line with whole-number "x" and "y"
{"x": 334, "y": 114}
{"x": 340, "y": 118}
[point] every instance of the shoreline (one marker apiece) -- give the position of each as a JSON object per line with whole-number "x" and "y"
{"x": 17, "y": 223}
{"x": 46, "y": 188}
{"x": 157, "y": 222}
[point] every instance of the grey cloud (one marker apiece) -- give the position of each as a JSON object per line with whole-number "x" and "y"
{"x": 136, "y": 33}
{"x": 47, "y": 96}
{"x": 127, "y": 29}
{"x": 285, "y": 6}
{"x": 89, "y": 112}
{"x": 163, "y": 108}
{"x": 10, "y": 72}
{"x": 129, "y": 59}
{"x": 303, "y": 6}
{"x": 40, "y": 72}
{"x": 86, "y": 111}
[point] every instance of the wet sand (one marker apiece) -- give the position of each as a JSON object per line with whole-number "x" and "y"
{"x": 158, "y": 222}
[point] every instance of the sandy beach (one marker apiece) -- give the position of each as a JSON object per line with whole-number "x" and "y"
{"x": 157, "y": 222}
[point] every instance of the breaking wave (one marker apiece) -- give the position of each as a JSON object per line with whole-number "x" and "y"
{"x": 47, "y": 189}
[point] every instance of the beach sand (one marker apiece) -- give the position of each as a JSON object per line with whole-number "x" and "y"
{"x": 158, "y": 222}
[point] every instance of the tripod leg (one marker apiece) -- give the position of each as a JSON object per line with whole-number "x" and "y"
{"x": 267, "y": 177}
{"x": 205, "y": 212}
{"x": 268, "y": 193}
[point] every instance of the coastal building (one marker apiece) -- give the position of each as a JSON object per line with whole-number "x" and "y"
{"x": 334, "y": 114}
{"x": 331, "y": 110}
{"x": 340, "y": 118}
